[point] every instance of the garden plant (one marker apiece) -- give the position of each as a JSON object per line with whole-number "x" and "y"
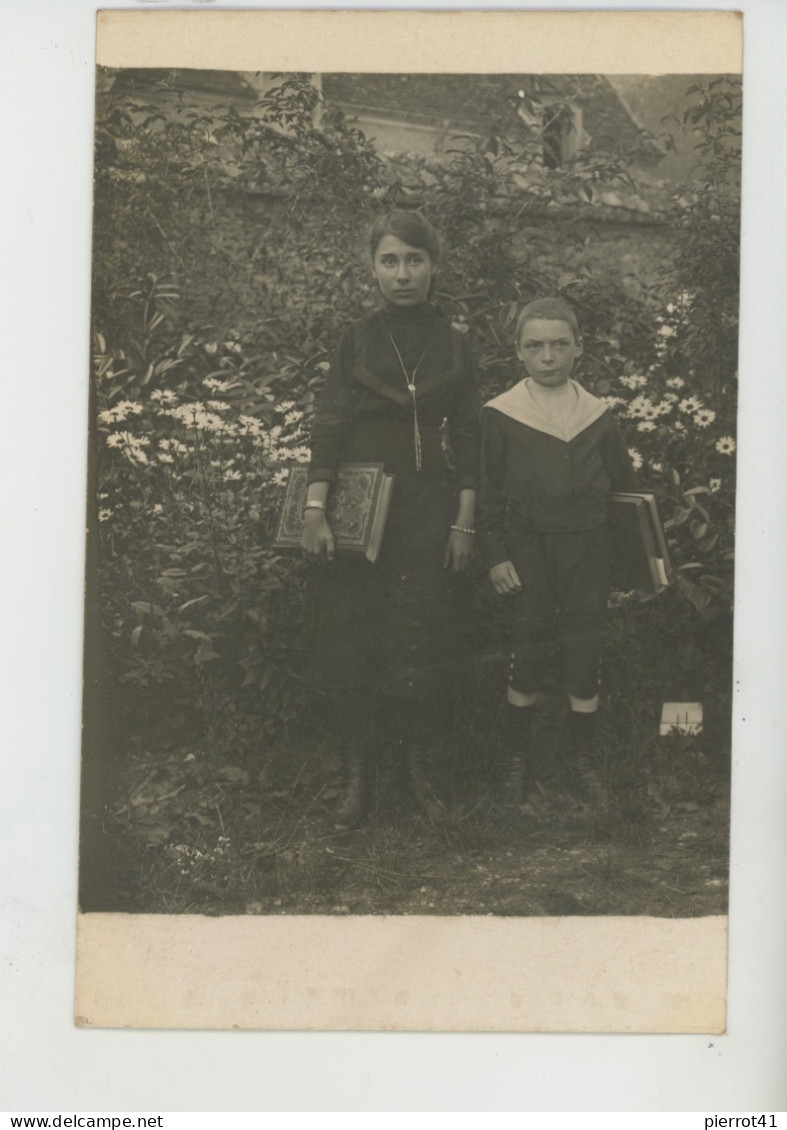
{"x": 229, "y": 255}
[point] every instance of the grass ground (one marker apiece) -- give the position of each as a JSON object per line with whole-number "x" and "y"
{"x": 187, "y": 831}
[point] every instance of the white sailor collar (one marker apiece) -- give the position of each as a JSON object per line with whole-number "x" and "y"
{"x": 519, "y": 403}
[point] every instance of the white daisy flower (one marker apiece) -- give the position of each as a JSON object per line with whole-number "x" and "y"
{"x": 704, "y": 417}
{"x": 213, "y": 384}
{"x": 633, "y": 381}
{"x": 714, "y": 485}
{"x": 250, "y": 426}
{"x": 636, "y": 458}
{"x": 675, "y": 382}
{"x": 725, "y": 445}
{"x": 646, "y": 426}
{"x": 690, "y": 404}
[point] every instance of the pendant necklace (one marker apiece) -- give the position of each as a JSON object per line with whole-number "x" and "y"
{"x": 410, "y": 382}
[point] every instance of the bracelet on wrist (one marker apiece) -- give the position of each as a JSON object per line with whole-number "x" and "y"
{"x": 463, "y": 530}
{"x": 314, "y": 506}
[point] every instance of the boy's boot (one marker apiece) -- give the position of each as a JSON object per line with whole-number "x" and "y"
{"x": 352, "y": 804}
{"x": 516, "y": 776}
{"x": 582, "y": 731}
{"x": 354, "y": 798}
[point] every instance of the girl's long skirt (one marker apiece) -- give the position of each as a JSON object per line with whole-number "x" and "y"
{"x": 391, "y": 627}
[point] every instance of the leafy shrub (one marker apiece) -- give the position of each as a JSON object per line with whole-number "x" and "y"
{"x": 228, "y": 258}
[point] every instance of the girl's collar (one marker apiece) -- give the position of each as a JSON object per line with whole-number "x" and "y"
{"x": 396, "y": 315}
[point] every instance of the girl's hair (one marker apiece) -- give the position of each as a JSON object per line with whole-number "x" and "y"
{"x": 552, "y": 309}
{"x": 410, "y": 227}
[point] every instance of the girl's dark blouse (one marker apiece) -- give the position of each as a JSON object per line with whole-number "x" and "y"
{"x": 366, "y": 414}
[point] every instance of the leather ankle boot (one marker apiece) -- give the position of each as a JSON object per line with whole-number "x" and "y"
{"x": 426, "y": 730}
{"x": 352, "y": 804}
{"x": 582, "y": 731}
{"x": 420, "y": 783}
{"x": 356, "y": 721}
{"x": 517, "y": 756}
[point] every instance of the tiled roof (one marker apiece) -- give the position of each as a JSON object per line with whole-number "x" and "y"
{"x": 227, "y": 84}
{"x": 469, "y": 100}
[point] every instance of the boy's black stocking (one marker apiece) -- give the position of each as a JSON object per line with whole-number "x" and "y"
{"x": 582, "y": 732}
{"x": 518, "y": 753}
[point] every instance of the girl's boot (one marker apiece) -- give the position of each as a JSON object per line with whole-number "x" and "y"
{"x": 517, "y": 764}
{"x": 353, "y": 801}
{"x": 425, "y": 734}
{"x": 582, "y": 732}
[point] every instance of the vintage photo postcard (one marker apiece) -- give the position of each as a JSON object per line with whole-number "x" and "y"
{"x": 443, "y": 743}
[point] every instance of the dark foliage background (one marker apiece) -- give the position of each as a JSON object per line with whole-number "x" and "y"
{"x": 229, "y": 254}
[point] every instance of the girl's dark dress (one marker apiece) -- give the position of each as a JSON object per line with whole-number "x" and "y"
{"x": 389, "y": 626}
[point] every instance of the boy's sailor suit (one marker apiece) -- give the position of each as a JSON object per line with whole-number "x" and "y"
{"x": 543, "y": 505}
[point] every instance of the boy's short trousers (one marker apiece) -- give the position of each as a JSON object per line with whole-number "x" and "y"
{"x": 565, "y": 589}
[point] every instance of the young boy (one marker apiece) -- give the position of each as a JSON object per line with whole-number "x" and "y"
{"x": 551, "y": 454}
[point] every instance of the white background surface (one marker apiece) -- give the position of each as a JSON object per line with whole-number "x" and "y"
{"x": 46, "y": 77}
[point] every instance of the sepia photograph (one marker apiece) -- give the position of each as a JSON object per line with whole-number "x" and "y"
{"x": 343, "y": 809}
{"x": 411, "y": 497}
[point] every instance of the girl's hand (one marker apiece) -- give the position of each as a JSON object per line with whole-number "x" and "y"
{"x": 459, "y": 551}
{"x": 317, "y": 542}
{"x": 505, "y": 579}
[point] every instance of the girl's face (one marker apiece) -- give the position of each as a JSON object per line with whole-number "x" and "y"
{"x": 404, "y": 273}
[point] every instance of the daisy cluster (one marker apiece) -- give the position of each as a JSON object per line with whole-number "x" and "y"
{"x": 672, "y": 422}
{"x": 195, "y": 427}
{"x": 174, "y": 455}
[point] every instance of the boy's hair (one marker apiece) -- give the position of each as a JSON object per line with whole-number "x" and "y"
{"x": 410, "y": 227}
{"x": 553, "y": 309}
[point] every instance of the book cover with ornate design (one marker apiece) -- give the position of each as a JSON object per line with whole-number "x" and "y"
{"x": 357, "y": 509}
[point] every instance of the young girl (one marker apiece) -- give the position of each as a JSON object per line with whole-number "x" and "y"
{"x": 385, "y": 629}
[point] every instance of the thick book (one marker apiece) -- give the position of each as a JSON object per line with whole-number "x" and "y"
{"x": 357, "y": 509}
{"x": 640, "y": 556}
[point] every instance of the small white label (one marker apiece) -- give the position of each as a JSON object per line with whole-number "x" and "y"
{"x": 681, "y": 717}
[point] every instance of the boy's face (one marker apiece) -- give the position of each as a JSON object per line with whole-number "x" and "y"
{"x": 548, "y": 349}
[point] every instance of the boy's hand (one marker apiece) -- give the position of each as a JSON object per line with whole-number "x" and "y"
{"x": 505, "y": 579}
